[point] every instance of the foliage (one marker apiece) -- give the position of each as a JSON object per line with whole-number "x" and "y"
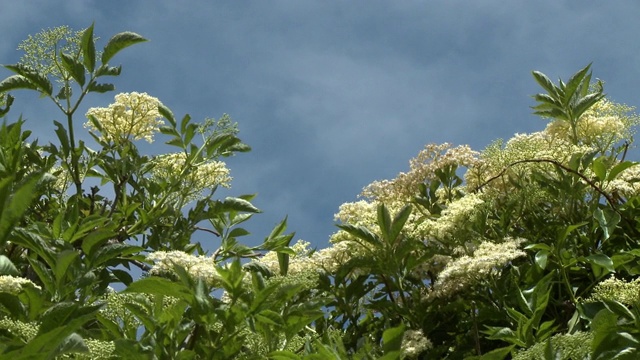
{"x": 526, "y": 249}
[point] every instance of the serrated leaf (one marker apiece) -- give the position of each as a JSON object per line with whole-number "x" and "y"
{"x": 384, "y": 221}
{"x": 15, "y": 82}
{"x": 100, "y": 88}
{"x": 574, "y": 82}
{"x": 119, "y": 42}
{"x": 238, "y": 204}
{"x": 546, "y": 83}
{"x": 15, "y": 207}
{"x": 38, "y": 80}
{"x": 106, "y": 70}
{"x": 398, "y": 222}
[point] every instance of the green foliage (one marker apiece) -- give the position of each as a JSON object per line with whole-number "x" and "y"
{"x": 510, "y": 252}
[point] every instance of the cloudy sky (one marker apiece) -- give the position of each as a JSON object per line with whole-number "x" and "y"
{"x": 332, "y": 95}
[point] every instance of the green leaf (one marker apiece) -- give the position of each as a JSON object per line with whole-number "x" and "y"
{"x": 613, "y": 173}
{"x": 607, "y": 219}
{"x": 15, "y": 207}
{"x": 238, "y": 204}
{"x": 362, "y": 233}
{"x": 15, "y": 82}
{"x": 574, "y": 82}
{"x": 106, "y": 70}
{"x": 119, "y": 42}
{"x": 7, "y": 267}
{"x": 88, "y": 49}
{"x": 64, "y": 259}
{"x": 160, "y": 286}
{"x": 384, "y": 222}
{"x": 73, "y": 67}
{"x": 72, "y": 344}
{"x": 541, "y": 258}
{"x": 601, "y": 260}
{"x": 398, "y": 222}
{"x": 41, "y": 82}
{"x": 546, "y": 84}
{"x": 392, "y": 339}
{"x": 497, "y": 354}
{"x": 585, "y": 103}
{"x": 100, "y": 88}
{"x": 599, "y": 168}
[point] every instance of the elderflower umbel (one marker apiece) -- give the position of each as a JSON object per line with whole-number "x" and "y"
{"x": 414, "y": 343}
{"x": 488, "y": 258}
{"x": 133, "y": 115}
{"x": 456, "y": 213}
{"x": 423, "y": 169}
{"x": 26, "y": 331}
{"x": 195, "y": 179}
{"x": 14, "y": 285}
{"x": 197, "y": 266}
{"x": 618, "y": 290}
{"x": 570, "y": 346}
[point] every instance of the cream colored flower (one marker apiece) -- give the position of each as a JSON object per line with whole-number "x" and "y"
{"x": 133, "y": 115}
{"x": 414, "y": 343}
{"x": 197, "y": 266}
{"x": 193, "y": 179}
{"x": 626, "y": 292}
{"x": 487, "y": 259}
{"x": 14, "y": 285}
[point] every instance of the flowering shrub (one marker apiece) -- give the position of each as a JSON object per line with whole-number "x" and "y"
{"x": 506, "y": 252}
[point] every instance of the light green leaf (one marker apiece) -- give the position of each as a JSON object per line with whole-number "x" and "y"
{"x": 618, "y": 168}
{"x": 601, "y": 260}
{"x": 607, "y": 219}
{"x": 160, "y": 286}
{"x": 392, "y": 339}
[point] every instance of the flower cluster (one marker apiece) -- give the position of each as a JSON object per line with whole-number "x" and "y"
{"x": 133, "y": 115}
{"x": 569, "y": 346}
{"x": 197, "y": 266}
{"x": 194, "y": 178}
{"x": 414, "y": 343}
{"x": 423, "y": 169}
{"x": 14, "y": 285}
{"x": 619, "y": 290}
{"x": 457, "y": 213}
{"x": 26, "y": 331}
{"x": 487, "y": 259}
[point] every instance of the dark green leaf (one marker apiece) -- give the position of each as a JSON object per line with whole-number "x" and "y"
{"x": 100, "y": 88}
{"x": 88, "y": 49}
{"x": 15, "y": 207}
{"x": 41, "y": 82}
{"x": 384, "y": 222}
{"x": 15, "y": 82}
{"x": 546, "y": 84}
{"x": 398, "y": 222}
{"x": 73, "y": 67}
{"x": 238, "y": 204}
{"x": 106, "y": 70}
{"x": 601, "y": 260}
{"x": 119, "y": 42}
{"x": 574, "y": 82}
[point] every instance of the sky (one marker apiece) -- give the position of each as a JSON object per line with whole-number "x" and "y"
{"x": 333, "y": 95}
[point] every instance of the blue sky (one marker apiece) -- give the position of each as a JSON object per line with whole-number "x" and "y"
{"x": 332, "y": 95}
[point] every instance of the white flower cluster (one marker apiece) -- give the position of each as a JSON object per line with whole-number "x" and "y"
{"x": 14, "y": 284}
{"x": 626, "y": 184}
{"x": 197, "y": 266}
{"x": 466, "y": 270}
{"x": 195, "y": 179}
{"x": 455, "y": 215}
{"x": 414, "y": 343}
{"x": 133, "y": 115}
{"x": 423, "y": 169}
